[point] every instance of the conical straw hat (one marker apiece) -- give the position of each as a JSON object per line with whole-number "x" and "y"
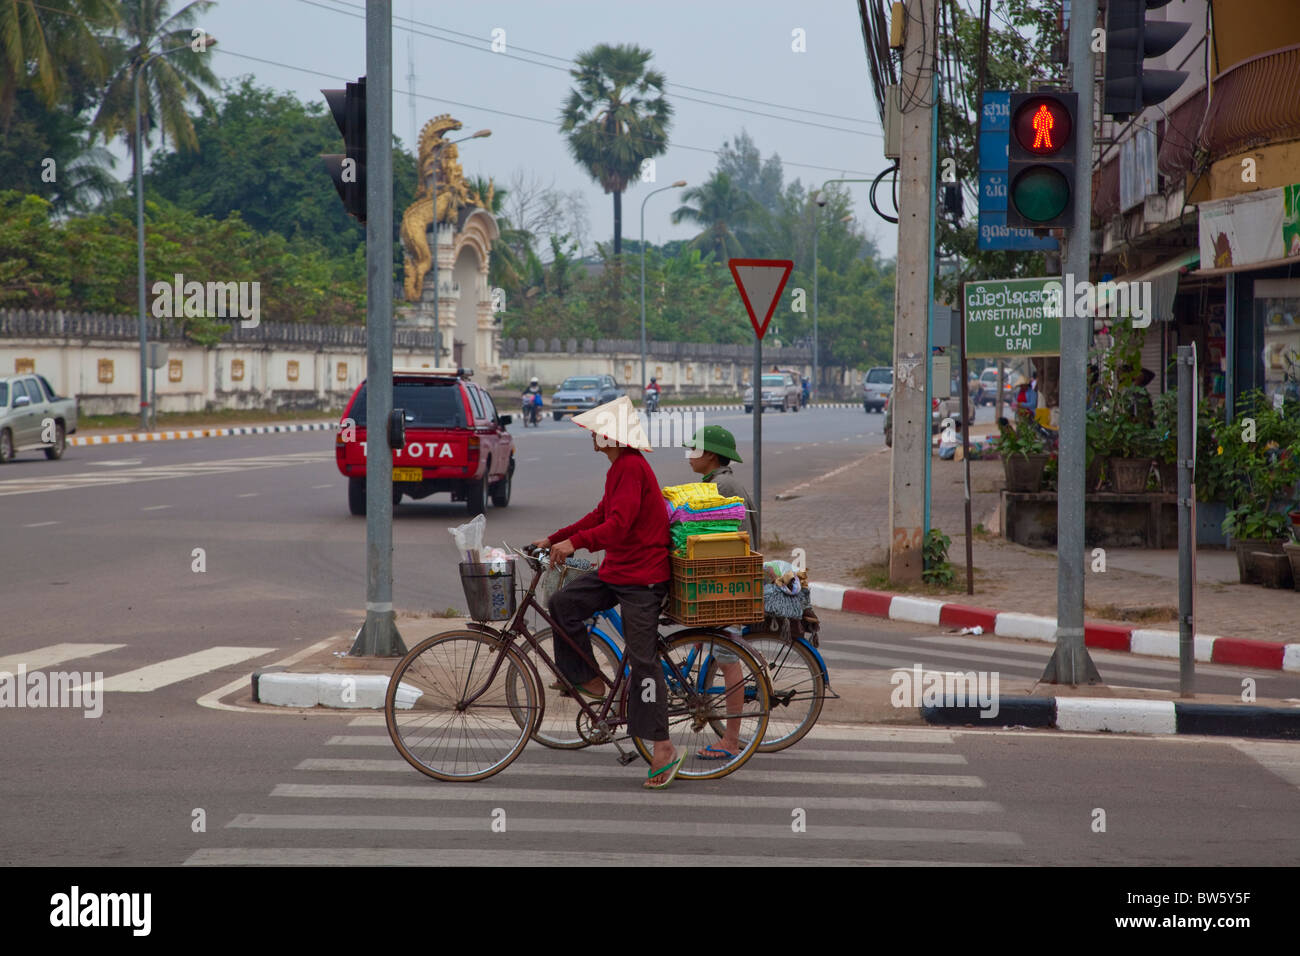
{"x": 617, "y": 423}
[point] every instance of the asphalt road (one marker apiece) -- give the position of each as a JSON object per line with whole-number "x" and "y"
{"x": 98, "y": 574}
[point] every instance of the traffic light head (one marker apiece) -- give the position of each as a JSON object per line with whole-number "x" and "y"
{"x": 1130, "y": 39}
{"x": 348, "y": 169}
{"x": 1042, "y": 160}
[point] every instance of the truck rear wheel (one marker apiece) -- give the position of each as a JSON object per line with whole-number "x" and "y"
{"x": 357, "y": 496}
{"x": 60, "y": 442}
{"x": 476, "y": 495}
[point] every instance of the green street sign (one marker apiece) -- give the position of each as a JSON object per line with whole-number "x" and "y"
{"x": 1004, "y": 319}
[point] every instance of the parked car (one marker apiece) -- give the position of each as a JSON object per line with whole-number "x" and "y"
{"x": 582, "y": 392}
{"x": 33, "y": 416}
{"x": 987, "y": 393}
{"x": 940, "y": 409}
{"x": 455, "y": 442}
{"x": 780, "y": 390}
{"x": 876, "y": 387}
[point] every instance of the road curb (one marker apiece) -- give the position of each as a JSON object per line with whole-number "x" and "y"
{"x": 338, "y": 691}
{"x": 182, "y": 434}
{"x": 1269, "y": 655}
{"x": 1109, "y": 715}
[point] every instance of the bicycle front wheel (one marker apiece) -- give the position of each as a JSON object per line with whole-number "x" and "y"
{"x": 461, "y": 706}
{"x": 736, "y": 696}
{"x": 798, "y": 690}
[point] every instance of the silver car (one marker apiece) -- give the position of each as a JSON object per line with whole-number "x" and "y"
{"x": 780, "y": 390}
{"x": 876, "y": 387}
{"x": 33, "y": 416}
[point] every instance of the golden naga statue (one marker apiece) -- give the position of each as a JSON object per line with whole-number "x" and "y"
{"x": 454, "y": 193}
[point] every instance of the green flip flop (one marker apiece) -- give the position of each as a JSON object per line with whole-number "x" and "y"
{"x": 672, "y": 769}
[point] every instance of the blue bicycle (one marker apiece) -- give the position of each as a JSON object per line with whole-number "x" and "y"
{"x": 796, "y": 671}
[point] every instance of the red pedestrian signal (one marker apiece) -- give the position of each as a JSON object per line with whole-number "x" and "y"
{"x": 1042, "y": 125}
{"x": 1041, "y": 167}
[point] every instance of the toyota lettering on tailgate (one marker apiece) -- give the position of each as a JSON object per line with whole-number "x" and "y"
{"x": 423, "y": 450}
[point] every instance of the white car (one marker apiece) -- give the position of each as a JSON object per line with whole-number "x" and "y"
{"x": 780, "y": 390}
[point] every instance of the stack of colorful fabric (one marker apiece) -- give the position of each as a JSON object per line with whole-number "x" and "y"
{"x": 697, "y": 508}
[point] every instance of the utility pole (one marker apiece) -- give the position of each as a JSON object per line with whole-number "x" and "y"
{"x": 912, "y": 296}
{"x": 379, "y": 636}
{"x": 1070, "y": 662}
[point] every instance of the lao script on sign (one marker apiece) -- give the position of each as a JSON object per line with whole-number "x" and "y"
{"x": 1009, "y": 317}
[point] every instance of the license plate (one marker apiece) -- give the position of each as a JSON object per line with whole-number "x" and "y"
{"x": 408, "y": 474}
{"x": 570, "y": 408}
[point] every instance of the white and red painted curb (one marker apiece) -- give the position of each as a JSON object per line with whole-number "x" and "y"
{"x": 1273, "y": 655}
{"x": 182, "y": 434}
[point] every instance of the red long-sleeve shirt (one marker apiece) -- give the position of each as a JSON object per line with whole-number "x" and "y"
{"x": 630, "y": 525}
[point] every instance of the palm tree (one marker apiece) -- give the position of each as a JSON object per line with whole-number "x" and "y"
{"x": 720, "y": 207}
{"x": 616, "y": 117}
{"x": 169, "y": 83}
{"x": 42, "y": 40}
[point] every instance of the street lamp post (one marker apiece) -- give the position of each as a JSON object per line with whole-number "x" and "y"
{"x": 816, "y": 194}
{"x": 437, "y": 341}
{"x": 677, "y": 185}
{"x": 139, "y": 226}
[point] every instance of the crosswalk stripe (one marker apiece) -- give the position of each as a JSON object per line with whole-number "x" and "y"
{"x": 439, "y": 791}
{"x": 751, "y": 773}
{"x": 1282, "y": 759}
{"x": 42, "y": 657}
{"x": 177, "y": 669}
{"x": 652, "y": 828}
{"x": 871, "y": 756}
{"x": 820, "y": 732}
{"x": 343, "y": 856}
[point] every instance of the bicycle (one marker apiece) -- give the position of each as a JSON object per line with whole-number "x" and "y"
{"x": 462, "y": 705}
{"x": 796, "y": 673}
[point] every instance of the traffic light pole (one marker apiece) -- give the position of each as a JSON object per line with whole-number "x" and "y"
{"x": 1070, "y": 662}
{"x": 379, "y": 636}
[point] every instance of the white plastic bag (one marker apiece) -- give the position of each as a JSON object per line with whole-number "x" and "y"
{"x": 469, "y": 538}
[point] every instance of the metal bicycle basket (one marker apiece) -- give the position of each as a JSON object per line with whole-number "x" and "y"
{"x": 489, "y": 591}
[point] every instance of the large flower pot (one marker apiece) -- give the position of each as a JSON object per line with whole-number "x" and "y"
{"x": 1244, "y": 548}
{"x": 1025, "y": 472}
{"x": 1128, "y": 476}
{"x": 1293, "y": 552}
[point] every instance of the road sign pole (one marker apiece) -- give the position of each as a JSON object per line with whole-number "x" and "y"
{"x": 378, "y": 636}
{"x": 1186, "y": 521}
{"x": 758, "y": 442}
{"x": 1070, "y": 662}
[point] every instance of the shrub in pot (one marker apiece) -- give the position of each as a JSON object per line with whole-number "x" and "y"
{"x": 1165, "y": 440}
{"x": 1126, "y": 440}
{"x": 1023, "y": 456}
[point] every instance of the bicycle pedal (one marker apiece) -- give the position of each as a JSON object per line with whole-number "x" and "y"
{"x": 625, "y": 759}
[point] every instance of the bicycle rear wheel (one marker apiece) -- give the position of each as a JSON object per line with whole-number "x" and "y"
{"x": 707, "y": 696}
{"x": 447, "y": 707}
{"x": 798, "y": 690}
{"x": 558, "y": 726}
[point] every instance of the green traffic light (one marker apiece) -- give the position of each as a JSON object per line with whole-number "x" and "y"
{"x": 1040, "y": 193}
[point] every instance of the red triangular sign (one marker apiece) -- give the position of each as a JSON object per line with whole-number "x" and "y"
{"x": 760, "y": 282}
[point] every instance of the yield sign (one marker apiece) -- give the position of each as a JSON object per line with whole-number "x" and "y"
{"x": 760, "y": 282}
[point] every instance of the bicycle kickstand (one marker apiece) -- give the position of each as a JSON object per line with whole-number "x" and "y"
{"x": 625, "y": 757}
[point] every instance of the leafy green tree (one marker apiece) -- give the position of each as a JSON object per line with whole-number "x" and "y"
{"x": 615, "y": 118}
{"x": 761, "y": 178}
{"x": 719, "y": 205}
{"x": 42, "y": 42}
{"x": 169, "y": 83}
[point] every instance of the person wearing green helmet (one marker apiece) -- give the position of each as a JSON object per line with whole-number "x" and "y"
{"x": 713, "y": 449}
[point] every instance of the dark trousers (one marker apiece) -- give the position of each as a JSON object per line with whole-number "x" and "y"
{"x": 586, "y": 595}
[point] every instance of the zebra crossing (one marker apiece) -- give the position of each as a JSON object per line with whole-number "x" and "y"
{"x": 126, "y": 475}
{"x": 102, "y": 677}
{"x": 844, "y": 796}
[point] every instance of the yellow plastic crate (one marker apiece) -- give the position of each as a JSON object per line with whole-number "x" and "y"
{"x": 717, "y": 590}
{"x": 728, "y": 544}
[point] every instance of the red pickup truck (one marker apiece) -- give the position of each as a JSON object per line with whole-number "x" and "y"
{"x": 455, "y": 441}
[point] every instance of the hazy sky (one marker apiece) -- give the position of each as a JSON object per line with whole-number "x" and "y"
{"x": 726, "y": 50}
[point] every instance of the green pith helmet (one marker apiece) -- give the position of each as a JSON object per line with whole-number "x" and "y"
{"x": 716, "y": 439}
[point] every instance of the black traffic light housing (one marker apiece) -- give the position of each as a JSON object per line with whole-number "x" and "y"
{"x": 1042, "y": 159}
{"x": 1130, "y": 39}
{"x": 348, "y": 170}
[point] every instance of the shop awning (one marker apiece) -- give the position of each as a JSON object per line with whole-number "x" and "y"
{"x": 1247, "y": 267}
{"x": 1164, "y": 283}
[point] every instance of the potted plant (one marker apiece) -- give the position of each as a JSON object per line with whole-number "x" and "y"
{"x": 1214, "y": 479}
{"x": 1128, "y": 440}
{"x": 1023, "y": 456}
{"x": 1165, "y": 444}
{"x": 1095, "y": 454}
